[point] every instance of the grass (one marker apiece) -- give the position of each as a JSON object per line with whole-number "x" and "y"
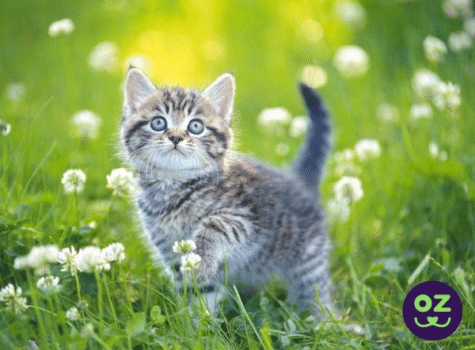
{"x": 415, "y": 222}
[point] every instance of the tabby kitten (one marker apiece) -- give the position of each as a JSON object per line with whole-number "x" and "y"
{"x": 263, "y": 221}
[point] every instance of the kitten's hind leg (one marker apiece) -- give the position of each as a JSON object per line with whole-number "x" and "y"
{"x": 310, "y": 271}
{"x": 302, "y": 292}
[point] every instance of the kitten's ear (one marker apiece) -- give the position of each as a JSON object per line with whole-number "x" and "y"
{"x": 137, "y": 88}
{"x": 221, "y": 94}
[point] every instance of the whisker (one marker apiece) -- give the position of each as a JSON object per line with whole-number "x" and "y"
{"x": 146, "y": 158}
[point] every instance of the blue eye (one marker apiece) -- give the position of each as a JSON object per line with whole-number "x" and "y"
{"x": 196, "y": 126}
{"x": 158, "y": 124}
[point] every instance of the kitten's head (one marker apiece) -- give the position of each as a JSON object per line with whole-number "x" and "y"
{"x": 174, "y": 133}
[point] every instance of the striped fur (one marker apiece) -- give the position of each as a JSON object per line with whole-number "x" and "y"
{"x": 261, "y": 220}
{"x": 310, "y": 160}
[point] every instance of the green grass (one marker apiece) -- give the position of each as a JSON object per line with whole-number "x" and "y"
{"x": 414, "y": 223}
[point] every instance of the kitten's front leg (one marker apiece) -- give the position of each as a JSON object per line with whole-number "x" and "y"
{"x": 217, "y": 236}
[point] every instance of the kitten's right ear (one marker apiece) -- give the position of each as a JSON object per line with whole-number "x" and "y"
{"x": 137, "y": 88}
{"x": 221, "y": 94}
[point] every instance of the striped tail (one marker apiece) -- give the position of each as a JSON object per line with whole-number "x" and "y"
{"x": 310, "y": 161}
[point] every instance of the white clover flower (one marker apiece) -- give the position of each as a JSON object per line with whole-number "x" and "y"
{"x": 345, "y": 163}
{"x": 420, "y": 111}
{"x": 469, "y": 26}
{"x": 453, "y": 95}
{"x": 298, "y": 126}
{"x": 460, "y": 41}
{"x": 351, "y": 13}
{"x": 144, "y": 63}
{"x": 348, "y": 187}
{"x": 387, "y": 112}
{"x": 190, "y": 262}
{"x": 73, "y": 314}
{"x": 425, "y": 84}
{"x": 448, "y": 96}
{"x": 366, "y": 149}
{"x": 274, "y": 119}
{"x": 4, "y": 128}
{"x": 121, "y": 181}
{"x": 15, "y": 303}
{"x": 8, "y": 292}
{"x": 351, "y": 61}
{"x": 345, "y": 156}
{"x": 184, "y": 246}
{"x": 113, "y": 252}
{"x": 314, "y": 76}
{"x": 104, "y": 57}
{"x": 64, "y": 26}
{"x": 434, "y": 49}
{"x": 433, "y": 149}
{"x": 458, "y": 8}
{"x": 38, "y": 258}
{"x": 42, "y": 255}
{"x": 434, "y": 152}
{"x": 20, "y": 263}
{"x": 90, "y": 259}
{"x": 87, "y": 330}
{"x": 347, "y": 168}
{"x": 311, "y": 30}
{"x": 67, "y": 257}
{"x": 48, "y": 285}
{"x": 105, "y": 266}
{"x": 16, "y": 92}
{"x": 278, "y": 115}
{"x": 338, "y": 210}
{"x": 86, "y": 124}
{"x": 73, "y": 181}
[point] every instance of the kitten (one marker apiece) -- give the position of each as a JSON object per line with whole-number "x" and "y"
{"x": 263, "y": 221}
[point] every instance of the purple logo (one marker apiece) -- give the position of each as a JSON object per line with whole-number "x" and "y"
{"x": 432, "y": 310}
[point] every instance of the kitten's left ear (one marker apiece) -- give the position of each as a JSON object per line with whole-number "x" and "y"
{"x": 221, "y": 94}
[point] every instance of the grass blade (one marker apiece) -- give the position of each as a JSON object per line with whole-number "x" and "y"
{"x": 418, "y": 270}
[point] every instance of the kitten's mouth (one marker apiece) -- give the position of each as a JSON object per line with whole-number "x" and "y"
{"x": 174, "y": 150}
{"x": 176, "y": 159}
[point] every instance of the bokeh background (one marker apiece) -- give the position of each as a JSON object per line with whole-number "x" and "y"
{"x": 418, "y": 185}
{"x": 266, "y": 44}
{"x": 46, "y": 78}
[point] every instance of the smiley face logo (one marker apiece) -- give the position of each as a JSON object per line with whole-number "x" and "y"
{"x": 432, "y": 310}
{"x": 433, "y": 322}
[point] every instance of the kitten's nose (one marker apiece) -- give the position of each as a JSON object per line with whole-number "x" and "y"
{"x": 175, "y": 139}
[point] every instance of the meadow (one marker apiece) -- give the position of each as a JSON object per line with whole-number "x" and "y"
{"x": 398, "y": 79}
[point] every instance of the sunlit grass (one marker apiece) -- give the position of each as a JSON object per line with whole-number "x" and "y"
{"x": 415, "y": 221}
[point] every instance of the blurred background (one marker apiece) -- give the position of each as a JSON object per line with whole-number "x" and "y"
{"x": 63, "y": 63}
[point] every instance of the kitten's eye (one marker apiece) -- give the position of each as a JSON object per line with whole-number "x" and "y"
{"x": 158, "y": 124}
{"x": 196, "y": 126}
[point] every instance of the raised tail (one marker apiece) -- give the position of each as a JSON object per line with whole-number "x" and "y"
{"x": 310, "y": 161}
